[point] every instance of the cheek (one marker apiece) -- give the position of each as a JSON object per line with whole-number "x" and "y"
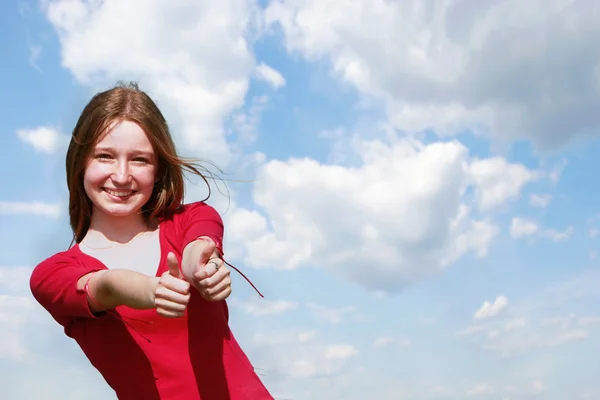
{"x": 145, "y": 178}
{"x": 91, "y": 177}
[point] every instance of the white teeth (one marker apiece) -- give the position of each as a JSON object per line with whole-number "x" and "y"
{"x": 119, "y": 193}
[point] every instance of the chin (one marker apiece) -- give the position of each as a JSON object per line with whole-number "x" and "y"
{"x": 120, "y": 210}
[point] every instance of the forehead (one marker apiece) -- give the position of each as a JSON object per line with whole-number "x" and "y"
{"x": 125, "y": 135}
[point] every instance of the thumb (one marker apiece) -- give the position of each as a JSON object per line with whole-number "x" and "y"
{"x": 173, "y": 265}
{"x": 207, "y": 250}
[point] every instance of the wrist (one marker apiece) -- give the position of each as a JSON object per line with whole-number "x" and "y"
{"x": 151, "y": 285}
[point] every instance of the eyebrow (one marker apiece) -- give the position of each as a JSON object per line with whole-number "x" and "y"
{"x": 135, "y": 152}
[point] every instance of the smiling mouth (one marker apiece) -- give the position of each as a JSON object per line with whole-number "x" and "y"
{"x": 119, "y": 193}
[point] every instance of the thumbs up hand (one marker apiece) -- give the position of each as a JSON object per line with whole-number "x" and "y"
{"x": 203, "y": 267}
{"x": 172, "y": 293}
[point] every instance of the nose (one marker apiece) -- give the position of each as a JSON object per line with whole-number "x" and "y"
{"x": 121, "y": 175}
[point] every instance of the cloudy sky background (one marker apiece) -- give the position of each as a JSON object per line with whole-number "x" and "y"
{"x": 417, "y": 204}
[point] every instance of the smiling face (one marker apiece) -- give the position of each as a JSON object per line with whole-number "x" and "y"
{"x": 121, "y": 171}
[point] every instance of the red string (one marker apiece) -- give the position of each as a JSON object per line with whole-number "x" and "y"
{"x": 208, "y": 238}
{"x": 248, "y": 280}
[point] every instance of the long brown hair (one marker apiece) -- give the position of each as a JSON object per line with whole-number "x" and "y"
{"x": 125, "y": 102}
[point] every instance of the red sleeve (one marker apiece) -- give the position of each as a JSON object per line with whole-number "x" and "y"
{"x": 53, "y": 283}
{"x": 200, "y": 219}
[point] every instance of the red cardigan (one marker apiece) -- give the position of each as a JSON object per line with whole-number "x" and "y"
{"x": 140, "y": 354}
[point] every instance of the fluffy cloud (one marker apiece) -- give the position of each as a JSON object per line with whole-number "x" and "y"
{"x": 492, "y": 67}
{"x": 558, "y": 236}
{"x": 489, "y": 310}
{"x": 334, "y": 315}
{"x": 540, "y": 200}
{"x": 193, "y": 57}
{"x": 521, "y": 227}
{"x": 43, "y": 139}
{"x": 34, "y": 207}
{"x": 532, "y": 322}
{"x": 265, "y": 307}
{"x": 498, "y": 181}
{"x": 481, "y": 389}
{"x": 403, "y": 213}
{"x": 270, "y": 75}
{"x": 340, "y": 352}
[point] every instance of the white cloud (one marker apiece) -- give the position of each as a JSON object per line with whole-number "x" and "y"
{"x": 538, "y": 386}
{"x": 34, "y": 55}
{"x": 34, "y": 208}
{"x": 570, "y": 321}
{"x": 194, "y": 58}
{"x": 283, "y": 338}
{"x": 489, "y": 310}
{"x": 404, "y": 210}
{"x": 333, "y": 315}
{"x": 14, "y": 280}
{"x": 481, "y": 389}
{"x": 456, "y": 66}
{"x": 302, "y": 359}
{"x": 340, "y": 352}
{"x": 246, "y": 122}
{"x": 558, "y": 236}
{"x": 540, "y": 200}
{"x": 522, "y": 333}
{"x": 593, "y": 232}
{"x": 385, "y": 341}
{"x": 515, "y": 324}
{"x": 497, "y": 181}
{"x": 472, "y": 330}
{"x": 44, "y": 139}
{"x": 521, "y": 227}
{"x": 265, "y": 307}
{"x": 270, "y": 75}
{"x": 566, "y": 337}
{"x": 303, "y": 369}
{"x": 15, "y": 310}
{"x": 306, "y": 336}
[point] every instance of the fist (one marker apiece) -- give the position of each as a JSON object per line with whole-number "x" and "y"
{"x": 172, "y": 293}
{"x": 203, "y": 267}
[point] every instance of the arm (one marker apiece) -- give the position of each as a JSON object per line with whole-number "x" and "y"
{"x": 59, "y": 285}
{"x": 201, "y": 230}
{"x": 108, "y": 289}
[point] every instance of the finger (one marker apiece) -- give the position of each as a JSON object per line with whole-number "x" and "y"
{"x": 207, "y": 249}
{"x": 211, "y": 268}
{"x": 170, "y": 314}
{"x": 173, "y": 265}
{"x": 213, "y": 280}
{"x": 215, "y": 254}
{"x": 168, "y": 305}
{"x": 217, "y": 288}
{"x": 164, "y": 294}
{"x": 222, "y": 295}
{"x": 175, "y": 284}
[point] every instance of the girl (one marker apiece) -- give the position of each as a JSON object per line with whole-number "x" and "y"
{"x": 143, "y": 289}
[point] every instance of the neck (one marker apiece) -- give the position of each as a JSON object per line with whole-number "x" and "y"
{"x": 116, "y": 229}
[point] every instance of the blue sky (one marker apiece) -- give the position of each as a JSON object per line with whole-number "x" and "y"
{"x": 417, "y": 205}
